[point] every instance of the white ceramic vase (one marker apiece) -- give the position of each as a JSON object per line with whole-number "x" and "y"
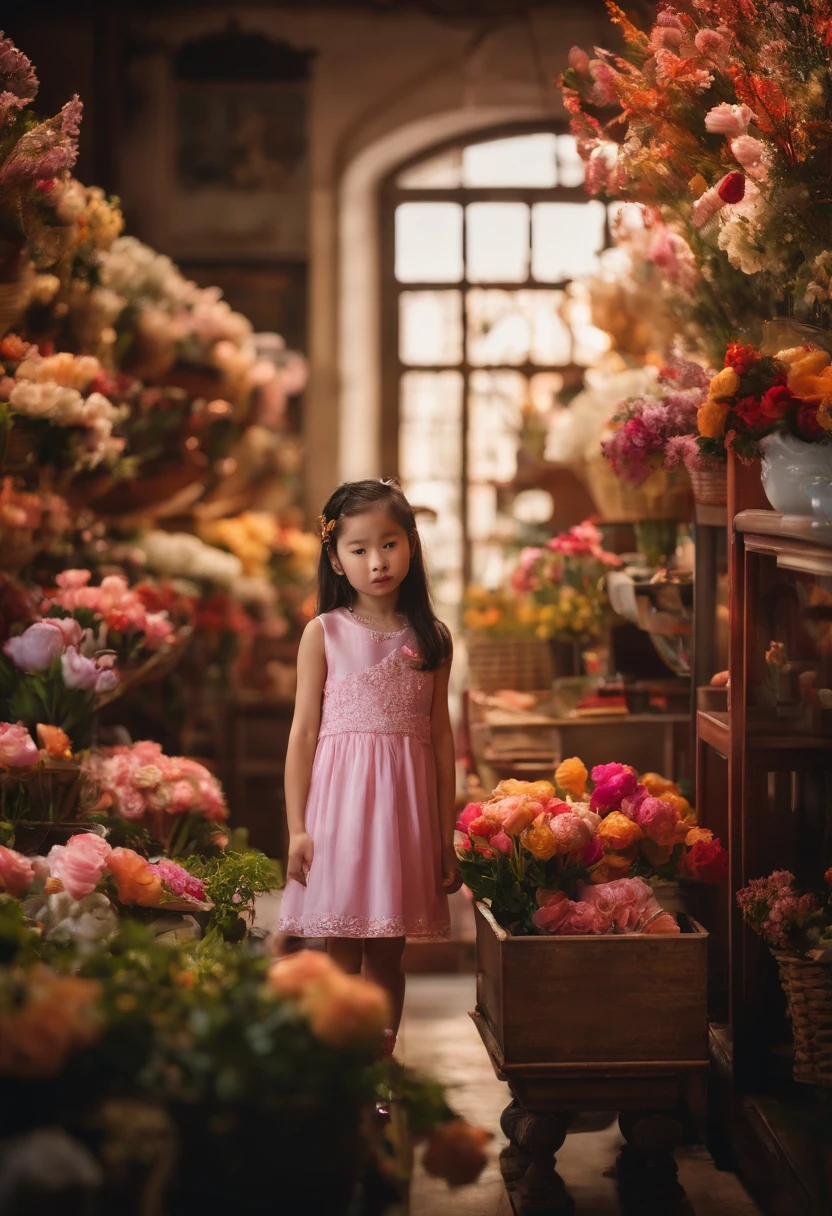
{"x": 793, "y": 470}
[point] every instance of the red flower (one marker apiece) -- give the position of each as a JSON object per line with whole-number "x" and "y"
{"x": 45, "y": 185}
{"x": 807, "y": 421}
{"x": 13, "y": 349}
{"x": 706, "y": 861}
{"x": 740, "y": 357}
{"x": 760, "y": 414}
{"x": 732, "y": 187}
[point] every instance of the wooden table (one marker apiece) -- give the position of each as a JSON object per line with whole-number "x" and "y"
{"x": 554, "y": 1031}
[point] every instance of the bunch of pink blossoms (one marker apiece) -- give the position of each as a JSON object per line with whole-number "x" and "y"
{"x": 114, "y": 603}
{"x": 774, "y": 908}
{"x": 142, "y": 784}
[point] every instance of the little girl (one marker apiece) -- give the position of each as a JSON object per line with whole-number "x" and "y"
{"x": 370, "y": 766}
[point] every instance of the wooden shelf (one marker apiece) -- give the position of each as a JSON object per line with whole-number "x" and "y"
{"x": 713, "y": 729}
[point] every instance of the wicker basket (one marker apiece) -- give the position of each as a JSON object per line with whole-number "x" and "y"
{"x": 664, "y": 495}
{"x": 523, "y": 664}
{"x": 710, "y": 486}
{"x": 808, "y": 989}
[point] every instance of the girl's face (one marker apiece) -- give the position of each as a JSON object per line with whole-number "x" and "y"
{"x": 373, "y": 551}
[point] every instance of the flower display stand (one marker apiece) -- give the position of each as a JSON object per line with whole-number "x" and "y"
{"x": 577, "y": 1024}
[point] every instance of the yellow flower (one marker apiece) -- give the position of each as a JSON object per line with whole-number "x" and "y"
{"x": 618, "y": 832}
{"x": 724, "y": 384}
{"x": 710, "y": 418}
{"x": 810, "y": 378}
{"x": 680, "y": 805}
{"x": 538, "y": 838}
{"x": 528, "y": 789}
{"x": 658, "y": 785}
{"x": 697, "y": 834}
{"x": 571, "y": 775}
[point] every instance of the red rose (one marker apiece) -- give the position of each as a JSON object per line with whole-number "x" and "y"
{"x": 732, "y": 187}
{"x": 705, "y": 861}
{"x": 761, "y": 414}
{"x": 483, "y": 828}
{"x": 807, "y": 423}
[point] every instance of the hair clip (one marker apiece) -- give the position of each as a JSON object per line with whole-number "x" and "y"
{"x": 391, "y": 481}
{"x": 326, "y": 527}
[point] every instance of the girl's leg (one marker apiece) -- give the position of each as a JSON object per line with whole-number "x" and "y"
{"x": 346, "y": 952}
{"x": 383, "y": 964}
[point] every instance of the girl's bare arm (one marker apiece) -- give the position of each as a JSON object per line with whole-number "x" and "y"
{"x": 442, "y": 739}
{"x": 303, "y": 740}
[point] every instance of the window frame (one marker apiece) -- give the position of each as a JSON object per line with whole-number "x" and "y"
{"x": 391, "y": 195}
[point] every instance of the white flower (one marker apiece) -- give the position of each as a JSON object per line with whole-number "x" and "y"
{"x": 179, "y": 554}
{"x": 85, "y": 922}
{"x": 737, "y": 238}
{"x": 51, "y": 401}
{"x": 70, "y": 371}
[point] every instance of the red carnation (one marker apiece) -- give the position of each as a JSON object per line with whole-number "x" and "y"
{"x": 740, "y": 357}
{"x": 732, "y": 187}
{"x": 705, "y": 861}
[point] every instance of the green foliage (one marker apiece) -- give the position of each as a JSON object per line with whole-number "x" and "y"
{"x": 232, "y": 880}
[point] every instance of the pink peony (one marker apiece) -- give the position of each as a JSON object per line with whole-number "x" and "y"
{"x": 570, "y": 832}
{"x": 16, "y": 872}
{"x": 17, "y": 747}
{"x": 621, "y": 902}
{"x": 80, "y": 863}
{"x": 37, "y": 647}
{"x": 560, "y": 915}
{"x": 657, "y": 819}
{"x": 630, "y": 805}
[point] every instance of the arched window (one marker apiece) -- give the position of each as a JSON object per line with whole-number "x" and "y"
{"x": 480, "y": 242}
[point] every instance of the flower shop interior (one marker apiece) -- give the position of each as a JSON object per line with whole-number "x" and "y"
{"x": 563, "y": 272}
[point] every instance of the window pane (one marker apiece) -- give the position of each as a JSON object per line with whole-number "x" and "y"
{"x": 441, "y": 537}
{"x": 498, "y": 242}
{"x": 571, "y": 169}
{"x": 495, "y": 411}
{"x": 429, "y": 242}
{"x": 524, "y": 160}
{"x": 566, "y": 238}
{"x": 430, "y": 442}
{"x": 430, "y": 327}
{"x": 517, "y": 326}
{"x": 443, "y": 172}
{"x": 590, "y": 343}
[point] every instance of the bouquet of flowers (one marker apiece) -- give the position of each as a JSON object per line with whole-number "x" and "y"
{"x": 576, "y": 856}
{"x": 495, "y": 612}
{"x": 563, "y": 585}
{"x": 176, "y": 799}
{"x": 755, "y": 395}
{"x": 57, "y": 398}
{"x": 648, "y": 429}
{"x": 785, "y": 916}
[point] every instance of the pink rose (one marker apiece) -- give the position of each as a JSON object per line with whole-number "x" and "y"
{"x": 559, "y": 915}
{"x": 37, "y": 648}
{"x": 502, "y": 842}
{"x": 130, "y": 803}
{"x": 77, "y": 670}
{"x": 472, "y": 811}
{"x": 570, "y": 832}
{"x": 183, "y": 797}
{"x": 630, "y": 805}
{"x": 72, "y": 579}
{"x": 80, "y": 863}
{"x": 16, "y": 872}
{"x": 657, "y": 819}
{"x": 613, "y": 783}
{"x": 17, "y": 747}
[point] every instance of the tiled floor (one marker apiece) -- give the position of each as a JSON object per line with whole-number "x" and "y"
{"x": 438, "y": 1036}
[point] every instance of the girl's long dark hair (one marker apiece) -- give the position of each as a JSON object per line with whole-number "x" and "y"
{"x": 334, "y": 591}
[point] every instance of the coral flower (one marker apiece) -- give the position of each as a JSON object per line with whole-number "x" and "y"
{"x": 136, "y": 879}
{"x": 571, "y": 775}
{"x": 456, "y": 1152}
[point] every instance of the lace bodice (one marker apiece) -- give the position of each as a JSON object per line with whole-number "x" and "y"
{"x": 371, "y": 686}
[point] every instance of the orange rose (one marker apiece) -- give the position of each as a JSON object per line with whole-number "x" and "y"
{"x": 136, "y": 879}
{"x": 538, "y": 838}
{"x": 618, "y": 832}
{"x": 614, "y": 865}
{"x": 710, "y": 419}
{"x": 723, "y": 385}
{"x": 346, "y": 1009}
{"x": 809, "y": 375}
{"x": 541, "y": 790}
{"x": 60, "y": 1015}
{"x": 571, "y": 775}
{"x": 680, "y": 805}
{"x": 656, "y": 854}
{"x": 54, "y": 741}
{"x": 456, "y": 1152}
{"x": 658, "y": 785}
{"x": 291, "y": 975}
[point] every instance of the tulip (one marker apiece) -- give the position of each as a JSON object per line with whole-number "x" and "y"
{"x": 37, "y": 648}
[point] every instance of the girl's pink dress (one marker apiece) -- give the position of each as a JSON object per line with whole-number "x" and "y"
{"x": 372, "y": 807}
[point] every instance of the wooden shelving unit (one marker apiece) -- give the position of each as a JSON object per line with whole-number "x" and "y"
{"x": 764, "y": 785}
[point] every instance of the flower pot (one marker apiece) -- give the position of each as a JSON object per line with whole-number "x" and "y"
{"x": 791, "y": 469}
{"x": 664, "y": 495}
{"x": 710, "y": 486}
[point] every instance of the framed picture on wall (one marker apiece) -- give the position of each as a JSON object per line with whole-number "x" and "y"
{"x": 272, "y": 296}
{"x": 240, "y": 169}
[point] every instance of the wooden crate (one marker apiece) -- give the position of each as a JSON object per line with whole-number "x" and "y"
{"x": 594, "y": 1003}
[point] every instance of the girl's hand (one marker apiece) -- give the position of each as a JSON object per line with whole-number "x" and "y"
{"x": 451, "y": 876}
{"x": 300, "y": 857}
